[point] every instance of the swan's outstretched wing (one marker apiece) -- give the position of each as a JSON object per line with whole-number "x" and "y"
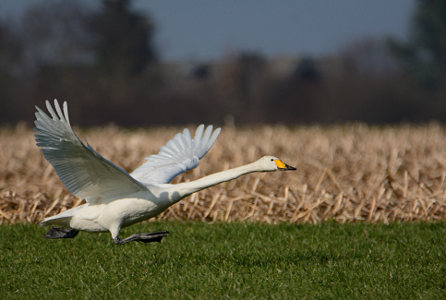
{"x": 180, "y": 154}
{"x": 81, "y": 169}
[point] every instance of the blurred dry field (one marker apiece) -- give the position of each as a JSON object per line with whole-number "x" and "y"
{"x": 345, "y": 173}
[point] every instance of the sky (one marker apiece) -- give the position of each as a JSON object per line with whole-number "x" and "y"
{"x": 211, "y": 29}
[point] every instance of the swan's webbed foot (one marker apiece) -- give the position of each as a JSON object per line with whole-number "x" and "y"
{"x": 61, "y": 233}
{"x": 142, "y": 237}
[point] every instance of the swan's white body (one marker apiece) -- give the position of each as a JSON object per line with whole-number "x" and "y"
{"x": 116, "y": 199}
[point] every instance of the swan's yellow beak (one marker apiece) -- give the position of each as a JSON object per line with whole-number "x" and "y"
{"x": 283, "y": 166}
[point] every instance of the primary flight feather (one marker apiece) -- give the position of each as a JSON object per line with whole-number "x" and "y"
{"x": 180, "y": 154}
{"x": 116, "y": 198}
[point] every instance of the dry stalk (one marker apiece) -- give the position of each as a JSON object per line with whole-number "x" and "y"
{"x": 345, "y": 173}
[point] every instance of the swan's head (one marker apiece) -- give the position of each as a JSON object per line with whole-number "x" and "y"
{"x": 272, "y": 163}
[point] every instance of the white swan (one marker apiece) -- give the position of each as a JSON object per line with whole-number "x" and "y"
{"x": 115, "y": 198}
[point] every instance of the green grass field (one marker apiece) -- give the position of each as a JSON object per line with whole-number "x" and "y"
{"x": 235, "y": 260}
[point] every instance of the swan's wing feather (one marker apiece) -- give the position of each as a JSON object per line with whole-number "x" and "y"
{"x": 81, "y": 169}
{"x": 180, "y": 154}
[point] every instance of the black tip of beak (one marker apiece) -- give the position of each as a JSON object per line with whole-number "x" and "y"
{"x": 289, "y": 168}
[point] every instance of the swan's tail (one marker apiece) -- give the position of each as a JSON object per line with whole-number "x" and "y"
{"x": 56, "y": 220}
{"x": 62, "y": 219}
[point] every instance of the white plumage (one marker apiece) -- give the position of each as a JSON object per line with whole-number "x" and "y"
{"x": 180, "y": 154}
{"x": 114, "y": 197}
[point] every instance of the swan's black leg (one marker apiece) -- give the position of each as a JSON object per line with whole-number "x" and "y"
{"x": 142, "y": 237}
{"x": 61, "y": 233}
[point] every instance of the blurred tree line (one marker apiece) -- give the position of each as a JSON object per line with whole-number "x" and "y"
{"x": 104, "y": 61}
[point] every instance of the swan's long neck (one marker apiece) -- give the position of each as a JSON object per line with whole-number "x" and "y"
{"x": 188, "y": 188}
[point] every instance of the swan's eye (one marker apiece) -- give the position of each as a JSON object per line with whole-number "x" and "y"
{"x": 272, "y": 159}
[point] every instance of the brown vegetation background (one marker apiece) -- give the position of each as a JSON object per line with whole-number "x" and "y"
{"x": 344, "y": 173}
{"x": 104, "y": 61}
